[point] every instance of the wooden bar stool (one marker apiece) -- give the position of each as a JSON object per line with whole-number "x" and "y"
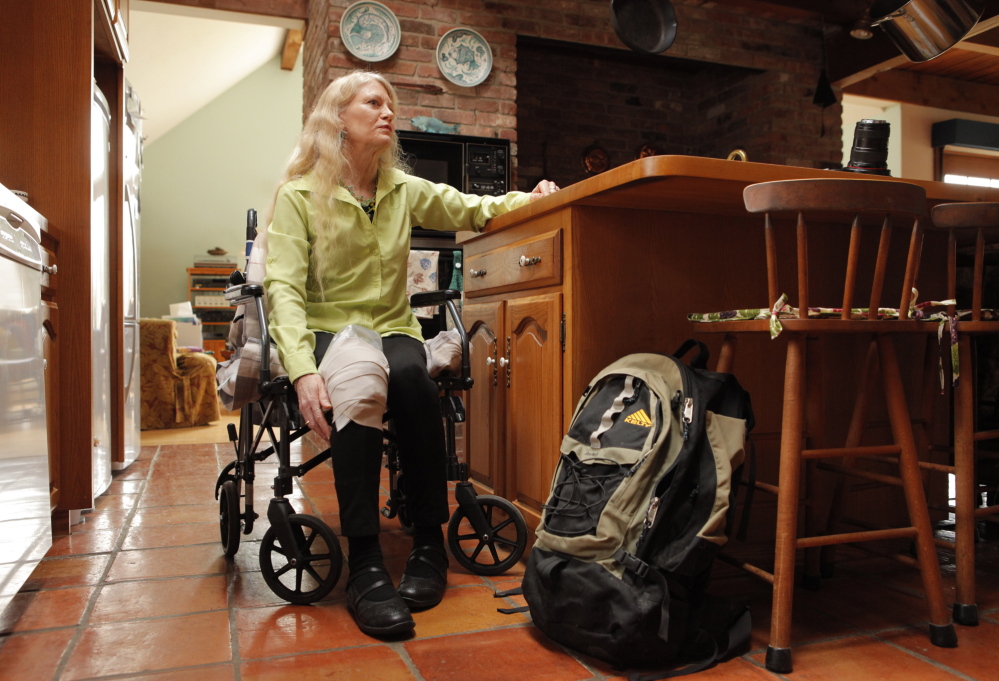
{"x": 974, "y": 227}
{"x": 847, "y": 205}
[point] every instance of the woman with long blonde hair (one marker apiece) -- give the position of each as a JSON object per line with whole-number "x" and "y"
{"x": 338, "y": 246}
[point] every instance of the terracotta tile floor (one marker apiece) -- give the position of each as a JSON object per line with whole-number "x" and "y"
{"x": 141, "y": 590}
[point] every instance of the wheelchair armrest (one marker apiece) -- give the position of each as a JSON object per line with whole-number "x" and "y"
{"x": 243, "y": 293}
{"x": 427, "y": 298}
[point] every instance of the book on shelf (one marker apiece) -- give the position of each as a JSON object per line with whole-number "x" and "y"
{"x": 216, "y": 261}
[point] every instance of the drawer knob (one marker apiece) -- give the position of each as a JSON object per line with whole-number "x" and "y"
{"x": 476, "y": 273}
{"x": 490, "y": 361}
{"x": 528, "y": 262}
{"x": 503, "y": 361}
{"x": 54, "y": 269}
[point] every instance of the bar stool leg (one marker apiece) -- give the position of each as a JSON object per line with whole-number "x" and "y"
{"x": 965, "y": 609}
{"x": 778, "y": 658}
{"x": 726, "y": 357}
{"x": 942, "y": 632}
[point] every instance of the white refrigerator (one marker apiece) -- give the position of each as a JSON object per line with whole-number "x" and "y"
{"x": 100, "y": 304}
{"x": 132, "y": 171}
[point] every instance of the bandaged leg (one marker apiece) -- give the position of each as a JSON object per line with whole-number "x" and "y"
{"x": 444, "y": 353}
{"x": 356, "y": 375}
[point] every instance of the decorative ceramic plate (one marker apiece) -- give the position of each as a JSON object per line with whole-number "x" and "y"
{"x": 464, "y": 57}
{"x": 370, "y": 31}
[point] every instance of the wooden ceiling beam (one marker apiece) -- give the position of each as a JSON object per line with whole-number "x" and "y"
{"x": 285, "y": 9}
{"x": 986, "y": 42}
{"x": 851, "y": 61}
{"x": 922, "y": 89}
{"x": 292, "y": 46}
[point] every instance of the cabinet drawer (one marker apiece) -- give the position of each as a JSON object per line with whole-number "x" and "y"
{"x": 527, "y": 264}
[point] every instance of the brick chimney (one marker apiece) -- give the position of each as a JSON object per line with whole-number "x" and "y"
{"x": 763, "y": 105}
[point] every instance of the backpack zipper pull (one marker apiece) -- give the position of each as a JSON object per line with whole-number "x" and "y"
{"x": 650, "y": 515}
{"x": 688, "y": 416}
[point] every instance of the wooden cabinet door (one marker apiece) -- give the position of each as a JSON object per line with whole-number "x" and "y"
{"x": 533, "y": 350}
{"x": 484, "y": 429}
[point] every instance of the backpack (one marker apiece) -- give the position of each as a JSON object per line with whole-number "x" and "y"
{"x": 641, "y": 502}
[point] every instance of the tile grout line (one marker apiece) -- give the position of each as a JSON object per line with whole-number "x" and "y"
{"x": 762, "y": 666}
{"x": 939, "y": 665}
{"x": 99, "y": 586}
{"x": 399, "y": 648}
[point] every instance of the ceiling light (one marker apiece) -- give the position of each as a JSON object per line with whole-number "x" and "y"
{"x": 862, "y": 29}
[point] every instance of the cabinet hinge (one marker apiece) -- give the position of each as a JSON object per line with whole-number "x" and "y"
{"x": 562, "y": 332}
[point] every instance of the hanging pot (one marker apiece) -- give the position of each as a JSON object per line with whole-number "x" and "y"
{"x": 646, "y": 26}
{"x": 924, "y": 29}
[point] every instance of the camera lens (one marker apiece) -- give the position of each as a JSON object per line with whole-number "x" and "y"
{"x": 870, "y": 148}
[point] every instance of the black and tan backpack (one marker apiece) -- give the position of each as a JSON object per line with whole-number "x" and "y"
{"x": 641, "y": 502}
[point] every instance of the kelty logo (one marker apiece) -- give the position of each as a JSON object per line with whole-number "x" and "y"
{"x": 639, "y": 418}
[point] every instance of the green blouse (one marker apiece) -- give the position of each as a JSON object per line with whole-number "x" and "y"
{"x": 366, "y": 282}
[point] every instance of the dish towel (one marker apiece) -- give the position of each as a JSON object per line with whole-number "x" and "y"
{"x": 422, "y": 276}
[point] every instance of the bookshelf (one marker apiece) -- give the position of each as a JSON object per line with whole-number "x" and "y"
{"x": 205, "y": 286}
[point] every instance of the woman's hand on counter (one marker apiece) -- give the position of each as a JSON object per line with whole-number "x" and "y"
{"x": 544, "y": 188}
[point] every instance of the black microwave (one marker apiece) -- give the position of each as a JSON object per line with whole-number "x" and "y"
{"x": 473, "y": 165}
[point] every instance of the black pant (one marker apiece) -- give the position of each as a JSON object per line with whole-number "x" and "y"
{"x": 414, "y": 406}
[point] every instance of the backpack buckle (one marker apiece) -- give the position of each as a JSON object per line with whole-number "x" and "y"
{"x": 631, "y": 563}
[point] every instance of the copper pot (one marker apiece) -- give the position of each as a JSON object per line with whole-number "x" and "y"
{"x": 924, "y": 29}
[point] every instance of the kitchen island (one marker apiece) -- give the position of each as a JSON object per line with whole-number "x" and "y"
{"x": 556, "y": 290}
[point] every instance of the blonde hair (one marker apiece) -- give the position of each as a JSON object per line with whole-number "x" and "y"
{"x": 320, "y": 152}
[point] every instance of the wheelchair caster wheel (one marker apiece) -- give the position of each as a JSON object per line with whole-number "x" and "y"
{"x": 500, "y": 549}
{"x": 229, "y": 521}
{"x": 315, "y": 575}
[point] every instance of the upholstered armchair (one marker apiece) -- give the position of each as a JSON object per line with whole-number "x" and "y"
{"x": 178, "y": 389}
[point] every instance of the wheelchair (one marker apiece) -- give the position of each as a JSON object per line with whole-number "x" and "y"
{"x": 300, "y": 556}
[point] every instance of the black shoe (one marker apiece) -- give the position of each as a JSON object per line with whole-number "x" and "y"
{"x": 423, "y": 587}
{"x": 377, "y": 618}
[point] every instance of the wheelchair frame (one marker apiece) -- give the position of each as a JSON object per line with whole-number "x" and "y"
{"x": 486, "y": 534}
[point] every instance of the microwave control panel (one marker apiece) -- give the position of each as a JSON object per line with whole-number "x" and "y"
{"x": 487, "y": 168}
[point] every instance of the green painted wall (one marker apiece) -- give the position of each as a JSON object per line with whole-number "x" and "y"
{"x": 199, "y": 179}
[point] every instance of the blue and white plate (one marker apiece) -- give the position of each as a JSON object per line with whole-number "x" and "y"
{"x": 464, "y": 57}
{"x": 370, "y": 31}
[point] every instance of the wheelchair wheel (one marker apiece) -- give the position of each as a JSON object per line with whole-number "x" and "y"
{"x": 229, "y": 521}
{"x": 317, "y": 573}
{"x": 505, "y": 545}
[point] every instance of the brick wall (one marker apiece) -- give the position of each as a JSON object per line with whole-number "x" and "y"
{"x": 764, "y": 105}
